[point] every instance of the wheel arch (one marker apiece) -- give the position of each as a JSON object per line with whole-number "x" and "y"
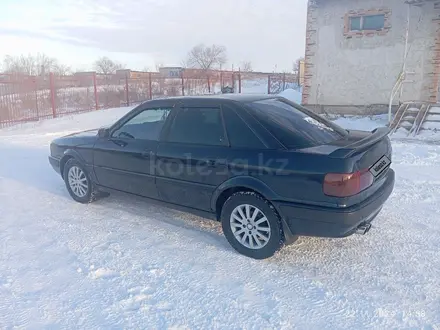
{"x": 239, "y": 183}
{"x": 247, "y": 183}
{"x": 69, "y": 154}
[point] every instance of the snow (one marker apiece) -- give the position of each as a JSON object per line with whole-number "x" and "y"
{"x": 434, "y": 110}
{"x": 406, "y": 124}
{"x": 248, "y": 86}
{"x": 431, "y": 125}
{"x": 361, "y": 122}
{"x": 291, "y": 95}
{"x": 434, "y": 117}
{"x": 254, "y": 86}
{"x": 125, "y": 263}
{"x": 430, "y": 132}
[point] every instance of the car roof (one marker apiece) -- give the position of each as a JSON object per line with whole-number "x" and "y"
{"x": 231, "y": 97}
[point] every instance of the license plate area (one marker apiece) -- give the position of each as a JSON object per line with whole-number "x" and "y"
{"x": 380, "y": 166}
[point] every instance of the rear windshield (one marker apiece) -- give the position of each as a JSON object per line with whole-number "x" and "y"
{"x": 295, "y": 127}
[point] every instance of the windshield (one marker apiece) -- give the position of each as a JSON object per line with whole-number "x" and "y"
{"x": 294, "y": 126}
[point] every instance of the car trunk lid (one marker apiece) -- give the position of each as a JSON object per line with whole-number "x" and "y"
{"x": 356, "y": 142}
{"x": 365, "y": 151}
{"x": 368, "y": 150}
{"x": 361, "y": 161}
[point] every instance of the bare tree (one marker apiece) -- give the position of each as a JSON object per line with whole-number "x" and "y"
{"x": 108, "y": 91}
{"x": 45, "y": 64}
{"x": 158, "y": 65}
{"x": 206, "y": 57}
{"x": 81, "y": 68}
{"x": 39, "y": 64}
{"x": 61, "y": 69}
{"x": 186, "y": 63}
{"x": 18, "y": 64}
{"x": 246, "y": 66}
{"x": 106, "y": 66}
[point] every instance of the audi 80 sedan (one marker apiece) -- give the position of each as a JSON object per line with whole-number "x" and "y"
{"x": 268, "y": 169}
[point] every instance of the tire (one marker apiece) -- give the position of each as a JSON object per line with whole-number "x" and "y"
{"x": 252, "y": 236}
{"x": 84, "y": 190}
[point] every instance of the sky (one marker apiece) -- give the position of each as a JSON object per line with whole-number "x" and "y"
{"x": 143, "y": 33}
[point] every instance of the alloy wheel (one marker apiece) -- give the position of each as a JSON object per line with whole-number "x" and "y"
{"x": 250, "y": 226}
{"x": 78, "y": 182}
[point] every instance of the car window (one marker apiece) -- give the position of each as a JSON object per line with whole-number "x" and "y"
{"x": 239, "y": 133}
{"x": 293, "y": 127}
{"x": 198, "y": 126}
{"x": 147, "y": 125}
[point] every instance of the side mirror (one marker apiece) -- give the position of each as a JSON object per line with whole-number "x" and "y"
{"x": 103, "y": 132}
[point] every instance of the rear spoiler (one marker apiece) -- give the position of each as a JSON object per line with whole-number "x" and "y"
{"x": 361, "y": 145}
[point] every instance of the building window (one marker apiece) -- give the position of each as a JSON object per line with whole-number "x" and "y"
{"x": 355, "y": 23}
{"x": 359, "y": 23}
{"x": 367, "y": 23}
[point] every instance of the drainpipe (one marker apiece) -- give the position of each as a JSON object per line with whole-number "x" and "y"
{"x": 405, "y": 55}
{"x": 402, "y": 76}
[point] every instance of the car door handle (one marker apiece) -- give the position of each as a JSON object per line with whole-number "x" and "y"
{"x": 120, "y": 143}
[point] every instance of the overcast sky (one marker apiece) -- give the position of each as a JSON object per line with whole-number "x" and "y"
{"x": 140, "y": 33}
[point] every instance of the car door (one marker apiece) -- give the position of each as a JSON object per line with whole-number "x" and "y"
{"x": 191, "y": 161}
{"x": 249, "y": 151}
{"x": 126, "y": 159}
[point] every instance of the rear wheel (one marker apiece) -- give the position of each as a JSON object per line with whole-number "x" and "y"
{"x": 251, "y": 225}
{"x": 78, "y": 182}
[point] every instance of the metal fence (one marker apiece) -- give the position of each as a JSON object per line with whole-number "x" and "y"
{"x": 31, "y": 98}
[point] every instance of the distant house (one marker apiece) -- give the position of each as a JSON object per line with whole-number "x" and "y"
{"x": 355, "y": 52}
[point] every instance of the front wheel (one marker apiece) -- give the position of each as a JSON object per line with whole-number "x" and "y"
{"x": 251, "y": 225}
{"x": 78, "y": 182}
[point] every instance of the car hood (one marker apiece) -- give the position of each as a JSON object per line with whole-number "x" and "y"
{"x": 91, "y": 132}
{"x": 78, "y": 139}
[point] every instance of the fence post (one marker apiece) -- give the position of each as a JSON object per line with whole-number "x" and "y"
{"x": 36, "y": 97}
{"x": 95, "y": 90}
{"x": 239, "y": 81}
{"x": 268, "y": 84}
{"x": 150, "y": 86}
{"x": 183, "y": 83}
{"x": 126, "y": 90}
{"x": 52, "y": 94}
{"x": 284, "y": 81}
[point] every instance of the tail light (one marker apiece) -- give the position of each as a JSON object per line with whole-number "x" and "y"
{"x": 347, "y": 184}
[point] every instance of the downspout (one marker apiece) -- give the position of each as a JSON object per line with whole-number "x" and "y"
{"x": 402, "y": 76}
{"x": 405, "y": 55}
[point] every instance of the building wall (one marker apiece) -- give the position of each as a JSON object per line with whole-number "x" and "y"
{"x": 302, "y": 65}
{"x": 358, "y": 70}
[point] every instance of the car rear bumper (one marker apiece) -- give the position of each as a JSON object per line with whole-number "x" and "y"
{"x": 55, "y": 162}
{"x": 335, "y": 222}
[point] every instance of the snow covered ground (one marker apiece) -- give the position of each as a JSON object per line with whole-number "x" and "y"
{"x": 291, "y": 95}
{"x": 124, "y": 263}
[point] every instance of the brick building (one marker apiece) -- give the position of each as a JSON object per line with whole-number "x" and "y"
{"x": 355, "y": 53}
